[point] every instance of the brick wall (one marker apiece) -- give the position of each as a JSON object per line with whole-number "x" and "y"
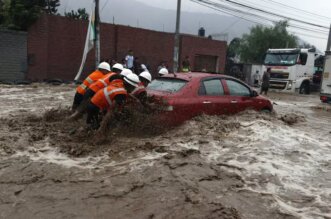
{"x": 13, "y": 55}
{"x": 55, "y": 47}
{"x": 191, "y": 46}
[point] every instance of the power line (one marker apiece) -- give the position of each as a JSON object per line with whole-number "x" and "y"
{"x": 226, "y": 12}
{"x": 274, "y": 14}
{"x": 231, "y": 11}
{"x": 250, "y": 20}
{"x": 289, "y": 11}
{"x": 104, "y": 5}
{"x": 298, "y": 9}
{"x": 308, "y": 35}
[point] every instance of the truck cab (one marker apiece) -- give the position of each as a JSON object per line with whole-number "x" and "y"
{"x": 325, "y": 94}
{"x": 291, "y": 69}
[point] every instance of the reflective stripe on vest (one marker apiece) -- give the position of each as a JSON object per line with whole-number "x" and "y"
{"x": 137, "y": 89}
{"x": 108, "y": 93}
{"x": 103, "y": 81}
{"x": 89, "y": 80}
{"x": 83, "y": 86}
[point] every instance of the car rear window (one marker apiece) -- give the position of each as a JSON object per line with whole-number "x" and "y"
{"x": 171, "y": 85}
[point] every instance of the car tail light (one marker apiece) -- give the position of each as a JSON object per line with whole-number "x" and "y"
{"x": 324, "y": 98}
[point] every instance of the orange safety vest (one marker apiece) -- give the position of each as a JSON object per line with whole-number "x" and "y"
{"x": 94, "y": 76}
{"x": 102, "y": 82}
{"x": 138, "y": 90}
{"x": 104, "y": 98}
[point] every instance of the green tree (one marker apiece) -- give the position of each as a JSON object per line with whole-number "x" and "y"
{"x": 20, "y": 14}
{"x": 254, "y": 45}
{"x": 4, "y": 9}
{"x": 50, "y": 6}
{"x": 80, "y": 14}
{"x": 233, "y": 48}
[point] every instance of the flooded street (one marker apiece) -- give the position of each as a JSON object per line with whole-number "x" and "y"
{"x": 250, "y": 165}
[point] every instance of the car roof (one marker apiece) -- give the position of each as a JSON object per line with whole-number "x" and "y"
{"x": 189, "y": 75}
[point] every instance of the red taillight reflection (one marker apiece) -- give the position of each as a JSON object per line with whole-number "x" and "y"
{"x": 324, "y": 98}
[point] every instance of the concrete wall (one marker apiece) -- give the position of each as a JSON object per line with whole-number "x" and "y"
{"x": 55, "y": 47}
{"x": 13, "y": 55}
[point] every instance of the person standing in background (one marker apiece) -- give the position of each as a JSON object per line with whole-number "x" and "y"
{"x": 256, "y": 78}
{"x": 129, "y": 59}
{"x": 136, "y": 66}
{"x": 265, "y": 82}
{"x": 186, "y": 66}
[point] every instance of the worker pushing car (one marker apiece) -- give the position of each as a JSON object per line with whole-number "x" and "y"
{"x": 111, "y": 98}
{"x": 103, "y": 69}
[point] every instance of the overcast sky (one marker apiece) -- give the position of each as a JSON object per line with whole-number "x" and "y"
{"x": 318, "y": 7}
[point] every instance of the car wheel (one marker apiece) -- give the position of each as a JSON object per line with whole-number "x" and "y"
{"x": 266, "y": 110}
{"x": 304, "y": 88}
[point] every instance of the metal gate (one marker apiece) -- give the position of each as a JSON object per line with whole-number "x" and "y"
{"x": 13, "y": 55}
{"x": 205, "y": 63}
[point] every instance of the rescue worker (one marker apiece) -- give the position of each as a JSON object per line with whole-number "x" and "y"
{"x": 103, "y": 82}
{"x": 103, "y": 69}
{"x": 120, "y": 76}
{"x": 116, "y": 76}
{"x": 110, "y": 98}
{"x": 140, "y": 92}
{"x": 163, "y": 71}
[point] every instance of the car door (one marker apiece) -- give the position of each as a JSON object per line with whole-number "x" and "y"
{"x": 211, "y": 96}
{"x": 239, "y": 96}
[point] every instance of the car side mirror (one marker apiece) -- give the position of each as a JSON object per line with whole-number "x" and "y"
{"x": 254, "y": 93}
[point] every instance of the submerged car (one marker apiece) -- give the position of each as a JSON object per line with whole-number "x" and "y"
{"x": 182, "y": 96}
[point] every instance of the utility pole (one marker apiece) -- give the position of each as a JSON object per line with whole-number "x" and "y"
{"x": 328, "y": 47}
{"x": 97, "y": 33}
{"x": 176, "y": 48}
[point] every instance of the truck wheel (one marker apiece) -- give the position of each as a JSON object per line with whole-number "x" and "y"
{"x": 304, "y": 88}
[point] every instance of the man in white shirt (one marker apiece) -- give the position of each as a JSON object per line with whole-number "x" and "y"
{"x": 129, "y": 60}
{"x": 257, "y": 79}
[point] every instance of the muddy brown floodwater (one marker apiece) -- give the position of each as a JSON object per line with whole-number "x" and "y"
{"x": 249, "y": 165}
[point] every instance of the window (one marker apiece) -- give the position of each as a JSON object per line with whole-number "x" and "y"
{"x": 238, "y": 89}
{"x": 211, "y": 87}
{"x": 167, "y": 84}
{"x": 303, "y": 58}
{"x": 285, "y": 59}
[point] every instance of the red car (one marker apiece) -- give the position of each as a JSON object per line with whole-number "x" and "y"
{"x": 183, "y": 96}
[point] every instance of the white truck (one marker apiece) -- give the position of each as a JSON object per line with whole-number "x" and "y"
{"x": 291, "y": 69}
{"x": 326, "y": 79}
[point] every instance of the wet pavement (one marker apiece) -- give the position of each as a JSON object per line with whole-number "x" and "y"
{"x": 249, "y": 165}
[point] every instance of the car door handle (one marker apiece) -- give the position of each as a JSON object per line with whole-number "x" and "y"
{"x": 234, "y": 101}
{"x": 205, "y": 102}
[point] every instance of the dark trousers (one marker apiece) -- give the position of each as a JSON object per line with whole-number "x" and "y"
{"x": 77, "y": 101}
{"x": 92, "y": 118}
{"x": 88, "y": 94}
{"x": 264, "y": 89}
{"x": 86, "y": 98}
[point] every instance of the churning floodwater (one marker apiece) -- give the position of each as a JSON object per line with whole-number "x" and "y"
{"x": 249, "y": 165}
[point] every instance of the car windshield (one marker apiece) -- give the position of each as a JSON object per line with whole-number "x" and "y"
{"x": 171, "y": 85}
{"x": 281, "y": 59}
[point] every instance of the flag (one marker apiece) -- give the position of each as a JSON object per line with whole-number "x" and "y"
{"x": 89, "y": 42}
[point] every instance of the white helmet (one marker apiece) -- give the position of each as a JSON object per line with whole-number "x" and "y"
{"x": 118, "y": 66}
{"x": 132, "y": 79}
{"x": 146, "y": 75}
{"x": 163, "y": 71}
{"x": 126, "y": 72}
{"x": 104, "y": 65}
